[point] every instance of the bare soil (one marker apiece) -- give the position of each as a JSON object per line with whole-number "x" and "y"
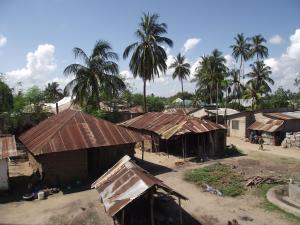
{"x": 84, "y": 207}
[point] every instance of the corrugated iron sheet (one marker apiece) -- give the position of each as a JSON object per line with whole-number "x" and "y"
{"x": 268, "y": 125}
{"x": 8, "y": 147}
{"x": 74, "y": 130}
{"x": 124, "y": 182}
{"x": 169, "y": 124}
{"x": 280, "y": 116}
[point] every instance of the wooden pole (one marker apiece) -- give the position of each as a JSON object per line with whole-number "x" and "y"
{"x": 123, "y": 217}
{"x": 143, "y": 149}
{"x": 151, "y": 208}
{"x": 182, "y": 143}
{"x": 167, "y": 147}
{"x": 180, "y": 210}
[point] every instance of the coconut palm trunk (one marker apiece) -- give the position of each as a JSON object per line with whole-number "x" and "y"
{"x": 145, "y": 97}
{"x": 182, "y": 92}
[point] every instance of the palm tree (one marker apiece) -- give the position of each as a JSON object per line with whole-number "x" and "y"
{"x": 252, "y": 93}
{"x": 52, "y": 92}
{"x": 148, "y": 56}
{"x": 210, "y": 75}
{"x": 257, "y": 48}
{"x": 98, "y": 73}
{"x": 234, "y": 83}
{"x": 260, "y": 74}
{"x": 181, "y": 70}
{"x": 241, "y": 51}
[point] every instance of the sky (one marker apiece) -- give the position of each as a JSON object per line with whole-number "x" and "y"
{"x": 37, "y": 36}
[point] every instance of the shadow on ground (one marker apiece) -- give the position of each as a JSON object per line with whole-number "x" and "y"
{"x": 153, "y": 168}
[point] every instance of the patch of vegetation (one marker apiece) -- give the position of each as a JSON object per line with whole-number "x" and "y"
{"x": 219, "y": 176}
{"x": 262, "y": 192}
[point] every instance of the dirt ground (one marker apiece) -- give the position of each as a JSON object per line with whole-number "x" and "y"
{"x": 210, "y": 209}
{"x": 84, "y": 207}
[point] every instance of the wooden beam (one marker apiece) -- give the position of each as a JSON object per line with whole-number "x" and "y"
{"x": 143, "y": 149}
{"x": 180, "y": 210}
{"x": 123, "y": 217}
{"x": 151, "y": 208}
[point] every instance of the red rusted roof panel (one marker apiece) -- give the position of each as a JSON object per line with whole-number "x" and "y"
{"x": 169, "y": 124}
{"x": 124, "y": 182}
{"x": 74, "y": 130}
{"x": 268, "y": 125}
{"x": 280, "y": 116}
{"x": 8, "y": 147}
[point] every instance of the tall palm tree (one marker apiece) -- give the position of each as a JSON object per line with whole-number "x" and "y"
{"x": 241, "y": 52}
{"x": 260, "y": 74}
{"x": 52, "y": 92}
{"x": 148, "y": 56}
{"x": 96, "y": 74}
{"x": 181, "y": 70}
{"x": 257, "y": 48}
{"x": 234, "y": 84}
{"x": 210, "y": 74}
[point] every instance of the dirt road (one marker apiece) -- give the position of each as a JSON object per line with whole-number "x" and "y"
{"x": 249, "y": 148}
{"x": 70, "y": 209}
{"x": 210, "y": 209}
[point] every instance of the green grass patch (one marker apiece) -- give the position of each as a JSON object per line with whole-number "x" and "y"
{"x": 219, "y": 176}
{"x": 262, "y": 192}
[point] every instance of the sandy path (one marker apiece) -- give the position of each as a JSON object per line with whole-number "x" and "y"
{"x": 58, "y": 209}
{"x": 210, "y": 209}
{"x": 248, "y": 148}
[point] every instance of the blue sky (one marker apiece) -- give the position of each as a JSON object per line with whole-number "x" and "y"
{"x": 37, "y": 36}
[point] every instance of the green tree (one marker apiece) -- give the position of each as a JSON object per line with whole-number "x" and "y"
{"x": 181, "y": 70}
{"x": 234, "y": 84}
{"x": 260, "y": 73}
{"x": 34, "y": 95}
{"x": 297, "y": 81}
{"x": 148, "y": 57}
{"x": 257, "y": 48}
{"x": 6, "y": 97}
{"x": 241, "y": 52}
{"x": 98, "y": 73}
{"x": 52, "y": 92}
{"x": 252, "y": 93}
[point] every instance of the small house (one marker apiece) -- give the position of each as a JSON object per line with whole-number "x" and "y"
{"x": 130, "y": 195}
{"x": 274, "y": 126}
{"x": 73, "y": 145}
{"x": 178, "y": 133}
{"x": 8, "y": 149}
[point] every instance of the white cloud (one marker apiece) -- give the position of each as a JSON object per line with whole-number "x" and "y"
{"x": 190, "y": 43}
{"x": 3, "y": 40}
{"x": 127, "y": 74}
{"x": 40, "y": 64}
{"x": 287, "y": 66}
{"x": 230, "y": 61}
{"x": 276, "y": 39}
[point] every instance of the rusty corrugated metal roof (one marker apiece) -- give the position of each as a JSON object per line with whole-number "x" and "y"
{"x": 74, "y": 130}
{"x": 169, "y": 124}
{"x": 8, "y": 147}
{"x": 280, "y": 116}
{"x": 124, "y": 182}
{"x": 267, "y": 125}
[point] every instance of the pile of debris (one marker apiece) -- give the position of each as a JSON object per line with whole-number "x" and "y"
{"x": 257, "y": 180}
{"x": 291, "y": 140}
